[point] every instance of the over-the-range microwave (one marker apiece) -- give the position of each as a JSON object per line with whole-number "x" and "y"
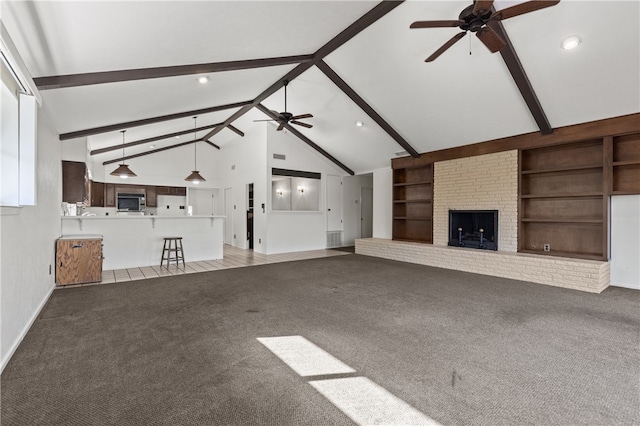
{"x": 131, "y": 202}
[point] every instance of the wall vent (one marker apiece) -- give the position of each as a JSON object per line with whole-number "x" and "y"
{"x": 279, "y": 157}
{"x": 334, "y": 239}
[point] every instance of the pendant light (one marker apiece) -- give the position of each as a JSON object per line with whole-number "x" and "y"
{"x": 123, "y": 170}
{"x": 194, "y": 177}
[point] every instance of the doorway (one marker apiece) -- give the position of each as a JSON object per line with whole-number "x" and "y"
{"x": 250, "y": 216}
{"x": 366, "y": 212}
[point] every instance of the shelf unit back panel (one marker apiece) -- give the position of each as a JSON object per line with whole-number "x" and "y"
{"x": 626, "y": 148}
{"x": 626, "y": 179}
{"x": 562, "y": 208}
{"x": 576, "y": 182}
{"x": 413, "y": 230}
{"x": 583, "y": 154}
{"x": 413, "y": 192}
{"x": 417, "y": 210}
{"x": 579, "y": 239}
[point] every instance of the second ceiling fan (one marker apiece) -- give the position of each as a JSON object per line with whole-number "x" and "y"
{"x": 286, "y": 117}
{"x": 475, "y": 18}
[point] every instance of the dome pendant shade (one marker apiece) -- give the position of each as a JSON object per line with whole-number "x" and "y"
{"x": 195, "y": 177}
{"x": 123, "y": 171}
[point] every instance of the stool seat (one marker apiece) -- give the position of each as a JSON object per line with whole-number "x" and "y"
{"x": 172, "y": 251}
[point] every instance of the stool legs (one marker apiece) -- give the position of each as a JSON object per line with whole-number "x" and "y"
{"x": 177, "y": 250}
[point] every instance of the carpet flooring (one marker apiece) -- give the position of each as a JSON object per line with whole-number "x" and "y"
{"x": 463, "y": 349}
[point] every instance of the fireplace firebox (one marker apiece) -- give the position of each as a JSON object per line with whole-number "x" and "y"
{"x": 474, "y": 229}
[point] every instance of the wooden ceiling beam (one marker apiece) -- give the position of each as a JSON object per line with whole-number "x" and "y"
{"x": 306, "y": 140}
{"x": 143, "y": 122}
{"x": 511, "y": 60}
{"x": 154, "y": 151}
{"x": 149, "y": 140}
{"x": 326, "y": 69}
{"x": 377, "y": 12}
{"x": 75, "y": 80}
{"x": 235, "y": 130}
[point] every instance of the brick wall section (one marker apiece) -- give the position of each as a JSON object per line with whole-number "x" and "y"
{"x": 483, "y": 182}
{"x": 585, "y": 275}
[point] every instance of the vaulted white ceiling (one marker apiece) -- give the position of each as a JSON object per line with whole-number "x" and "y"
{"x": 458, "y": 99}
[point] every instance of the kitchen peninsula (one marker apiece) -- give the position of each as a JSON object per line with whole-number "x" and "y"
{"x": 134, "y": 241}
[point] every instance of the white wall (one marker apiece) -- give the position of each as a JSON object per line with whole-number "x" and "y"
{"x": 382, "y": 203}
{"x": 295, "y": 231}
{"x": 28, "y": 247}
{"x": 625, "y": 241}
{"x": 351, "y": 186}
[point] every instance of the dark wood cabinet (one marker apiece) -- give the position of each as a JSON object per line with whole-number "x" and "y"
{"x": 109, "y": 195}
{"x": 171, "y": 190}
{"x": 413, "y": 204}
{"x": 626, "y": 164}
{"x": 151, "y": 196}
{"x": 96, "y": 191}
{"x": 75, "y": 182}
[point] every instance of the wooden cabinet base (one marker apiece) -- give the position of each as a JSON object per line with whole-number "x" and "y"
{"x": 78, "y": 260}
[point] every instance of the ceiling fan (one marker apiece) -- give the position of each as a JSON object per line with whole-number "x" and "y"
{"x": 286, "y": 117}
{"x": 475, "y": 18}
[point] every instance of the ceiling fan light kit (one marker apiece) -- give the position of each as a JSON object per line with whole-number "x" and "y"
{"x": 195, "y": 176}
{"x": 477, "y": 18}
{"x": 123, "y": 171}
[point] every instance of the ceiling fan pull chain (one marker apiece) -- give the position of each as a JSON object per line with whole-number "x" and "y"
{"x": 469, "y": 43}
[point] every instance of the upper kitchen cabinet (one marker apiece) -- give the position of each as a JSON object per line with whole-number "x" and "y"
{"x": 96, "y": 190}
{"x": 152, "y": 198}
{"x": 75, "y": 182}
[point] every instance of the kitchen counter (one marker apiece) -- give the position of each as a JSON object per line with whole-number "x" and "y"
{"x": 134, "y": 241}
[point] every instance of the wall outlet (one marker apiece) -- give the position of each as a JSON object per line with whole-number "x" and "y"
{"x": 547, "y": 247}
{"x": 167, "y": 207}
{"x": 259, "y": 240}
{"x": 181, "y": 207}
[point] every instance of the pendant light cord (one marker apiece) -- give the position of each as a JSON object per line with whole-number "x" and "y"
{"x": 195, "y": 144}
{"x": 122, "y": 131}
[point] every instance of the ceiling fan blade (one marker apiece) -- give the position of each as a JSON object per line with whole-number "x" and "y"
{"x": 269, "y": 119}
{"x": 308, "y": 126}
{"x": 297, "y": 117}
{"x": 491, "y": 39}
{"x": 436, "y": 24}
{"x": 522, "y": 8}
{"x": 280, "y": 127}
{"x": 482, "y": 6}
{"x": 445, "y": 46}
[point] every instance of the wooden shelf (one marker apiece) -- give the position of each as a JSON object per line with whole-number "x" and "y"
{"x": 626, "y": 163}
{"x": 413, "y": 183}
{"x": 410, "y": 240}
{"x": 589, "y": 256}
{"x": 562, "y": 169}
{"x": 424, "y": 218}
{"x": 425, "y": 200}
{"x": 583, "y": 195}
{"x": 567, "y": 220}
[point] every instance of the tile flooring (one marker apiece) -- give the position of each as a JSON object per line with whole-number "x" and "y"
{"x": 233, "y": 258}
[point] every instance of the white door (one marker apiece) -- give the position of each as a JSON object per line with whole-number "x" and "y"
{"x": 625, "y": 241}
{"x": 366, "y": 212}
{"x": 201, "y": 200}
{"x": 228, "y": 211}
{"x": 334, "y": 203}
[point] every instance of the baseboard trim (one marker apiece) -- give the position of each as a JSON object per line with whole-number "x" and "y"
{"x": 26, "y": 329}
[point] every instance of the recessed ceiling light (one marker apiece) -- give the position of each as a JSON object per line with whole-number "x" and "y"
{"x": 177, "y": 137}
{"x": 203, "y": 80}
{"x": 571, "y": 42}
{"x": 359, "y": 123}
{"x": 152, "y": 146}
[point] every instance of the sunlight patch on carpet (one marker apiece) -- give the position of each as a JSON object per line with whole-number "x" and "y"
{"x": 367, "y": 403}
{"x": 304, "y": 357}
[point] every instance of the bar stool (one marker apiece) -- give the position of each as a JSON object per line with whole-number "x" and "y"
{"x": 167, "y": 250}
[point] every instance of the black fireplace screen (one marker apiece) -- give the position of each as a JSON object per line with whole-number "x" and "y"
{"x": 474, "y": 229}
